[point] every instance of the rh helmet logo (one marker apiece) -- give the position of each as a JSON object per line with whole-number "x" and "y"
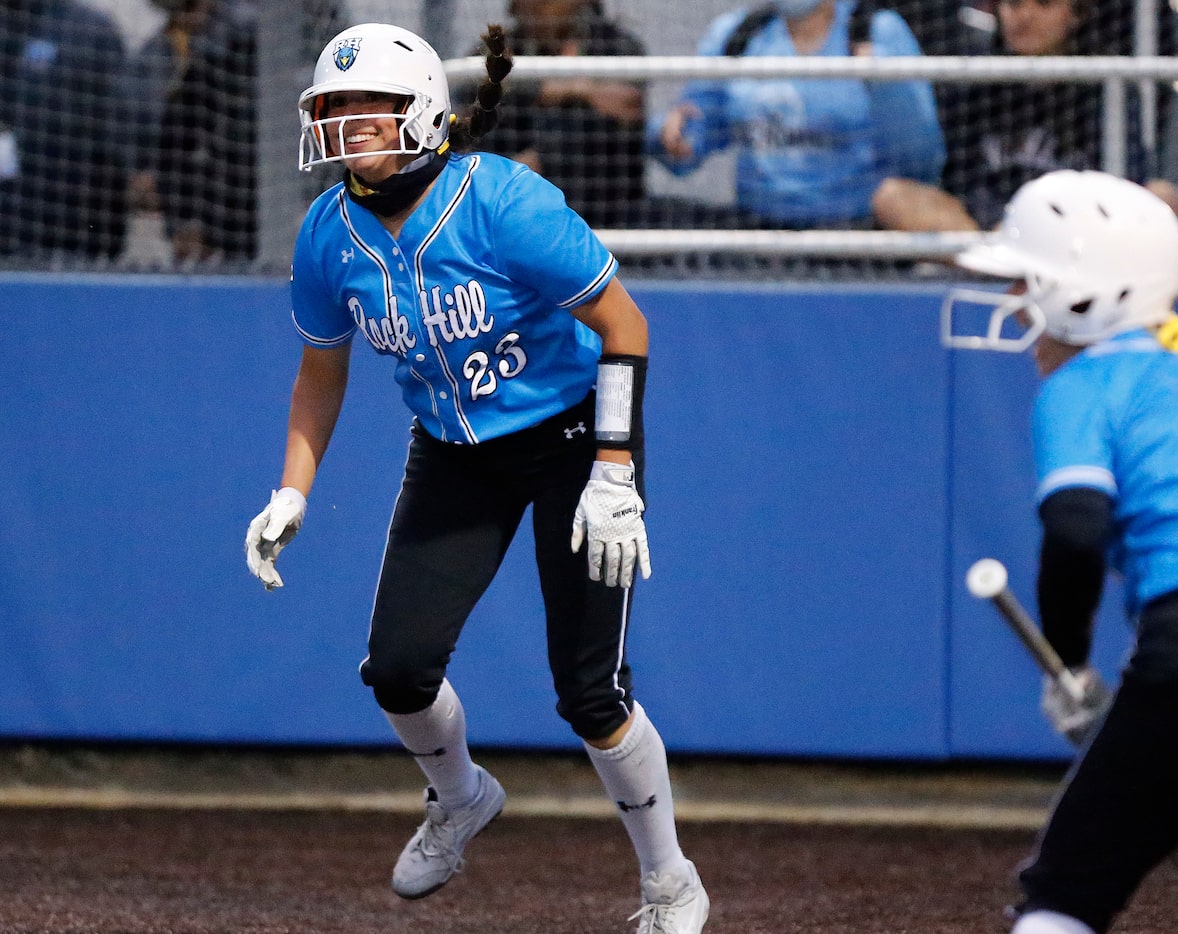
{"x": 346, "y": 51}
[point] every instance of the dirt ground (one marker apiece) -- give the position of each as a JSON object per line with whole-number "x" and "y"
{"x": 214, "y": 841}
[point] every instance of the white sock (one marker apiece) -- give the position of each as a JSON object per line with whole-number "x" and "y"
{"x": 436, "y": 737}
{"x": 635, "y": 776}
{"x": 1049, "y": 922}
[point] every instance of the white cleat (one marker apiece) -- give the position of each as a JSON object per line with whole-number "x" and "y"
{"x": 434, "y": 853}
{"x": 672, "y": 903}
{"x": 1050, "y": 922}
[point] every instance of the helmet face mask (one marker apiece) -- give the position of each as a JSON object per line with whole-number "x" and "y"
{"x": 325, "y": 139}
{"x": 379, "y": 59}
{"x": 1009, "y": 312}
{"x": 1098, "y": 255}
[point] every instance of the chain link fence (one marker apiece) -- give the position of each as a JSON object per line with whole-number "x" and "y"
{"x": 160, "y": 135}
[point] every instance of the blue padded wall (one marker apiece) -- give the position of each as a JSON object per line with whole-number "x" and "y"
{"x": 821, "y": 472}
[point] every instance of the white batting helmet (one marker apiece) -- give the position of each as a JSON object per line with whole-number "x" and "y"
{"x": 385, "y": 59}
{"x": 1098, "y": 253}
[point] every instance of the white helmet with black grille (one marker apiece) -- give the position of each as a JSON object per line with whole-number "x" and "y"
{"x": 383, "y": 59}
{"x": 1098, "y": 254}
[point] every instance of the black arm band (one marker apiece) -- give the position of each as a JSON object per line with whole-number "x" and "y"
{"x": 621, "y": 384}
{"x": 1076, "y": 525}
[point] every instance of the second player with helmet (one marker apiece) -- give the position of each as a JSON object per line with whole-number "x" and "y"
{"x": 1093, "y": 261}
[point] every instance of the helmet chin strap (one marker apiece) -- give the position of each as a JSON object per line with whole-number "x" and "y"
{"x": 390, "y": 197}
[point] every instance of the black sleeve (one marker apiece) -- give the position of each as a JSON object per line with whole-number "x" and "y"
{"x": 1076, "y": 526}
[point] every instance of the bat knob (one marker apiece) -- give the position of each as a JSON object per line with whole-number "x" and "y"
{"x": 986, "y": 578}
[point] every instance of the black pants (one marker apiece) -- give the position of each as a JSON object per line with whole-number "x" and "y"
{"x": 1117, "y": 816}
{"x": 458, "y": 510}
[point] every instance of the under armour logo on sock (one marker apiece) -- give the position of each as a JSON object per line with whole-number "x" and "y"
{"x": 440, "y": 751}
{"x": 569, "y": 432}
{"x": 627, "y": 808}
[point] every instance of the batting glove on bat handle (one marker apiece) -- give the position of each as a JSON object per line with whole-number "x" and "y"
{"x": 609, "y": 518}
{"x": 1073, "y": 718}
{"x": 271, "y": 531}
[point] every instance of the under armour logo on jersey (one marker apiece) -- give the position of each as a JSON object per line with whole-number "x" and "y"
{"x": 346, "y": 256}
{"x": 627, "y": 808}
{"x": 569, "y": 432}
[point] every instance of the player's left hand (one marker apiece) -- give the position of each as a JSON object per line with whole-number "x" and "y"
{"x": 271, "y": 531}
{"x": 609, "y": 516}
{"x": 1074, "y": 719}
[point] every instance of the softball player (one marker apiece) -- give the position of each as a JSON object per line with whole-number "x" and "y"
{"x": 523, "y": 360}
{"x": 1095, "y": 264}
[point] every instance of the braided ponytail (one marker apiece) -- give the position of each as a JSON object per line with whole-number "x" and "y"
{"x": 484, "y": 112}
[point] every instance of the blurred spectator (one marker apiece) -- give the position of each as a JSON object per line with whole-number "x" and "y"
{"x": 63, "y": 175}
{"x": 196, "y": 129}
{"x": 585, "y": 135}
{"x": 937, "y": 24}
{"x": 156, "y": 73}
{"x": 1001, "y": 135}
{"x": 811, "y": 152}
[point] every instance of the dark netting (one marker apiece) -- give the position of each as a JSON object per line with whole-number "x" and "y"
{"x": 161, "y": 134}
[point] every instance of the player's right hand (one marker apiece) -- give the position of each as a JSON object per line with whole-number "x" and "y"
{"x": 1073, "y": 719}
{"x": 271, "y": 531}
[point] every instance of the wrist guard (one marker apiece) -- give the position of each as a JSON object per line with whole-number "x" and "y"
{"x": 621, "y": 384}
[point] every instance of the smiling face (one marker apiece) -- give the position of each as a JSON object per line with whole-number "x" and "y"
{"x": 1037, "y": 27}
{"x": 362, "y": 126}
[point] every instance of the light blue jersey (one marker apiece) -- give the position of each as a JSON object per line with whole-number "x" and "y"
{"x": 1108, "y": 419}
{"x": 471, "y": 301}
{"x": 813, "y": 151}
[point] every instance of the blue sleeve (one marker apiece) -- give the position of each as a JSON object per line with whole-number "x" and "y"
{"x": 908, "y": 132}
{"x": 318, "y": 316}
{"x": 709, "y": 133}
{"x": 546, "y": 245}
{"x": 1071, "y": 433}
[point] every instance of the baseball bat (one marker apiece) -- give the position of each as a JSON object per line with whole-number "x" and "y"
{"x": 987, "y": 580}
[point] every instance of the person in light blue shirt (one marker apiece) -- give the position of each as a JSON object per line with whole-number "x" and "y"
{"x": 811, "y": 152}
{"x": 522, "y": 360}
{"x": 1128, "y": 382}
{"x": 1094, "y": 261}
{"x": 493, "y": 347}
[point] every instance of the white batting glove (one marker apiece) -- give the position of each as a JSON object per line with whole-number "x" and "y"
{"x": 271, "y": 531}
{"x": 1074, "y": 719}
{"x": 609, "y": 516}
